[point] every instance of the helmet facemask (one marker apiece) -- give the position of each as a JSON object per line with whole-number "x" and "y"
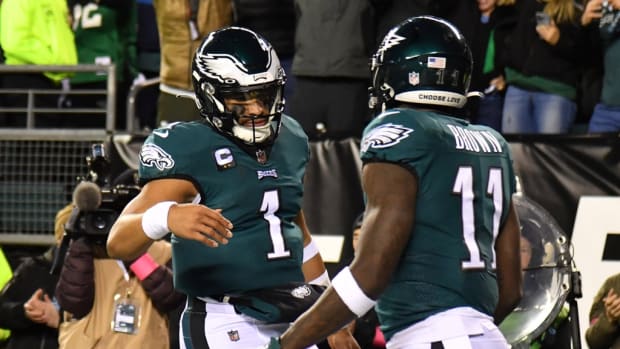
{"x": 251, "y": 114}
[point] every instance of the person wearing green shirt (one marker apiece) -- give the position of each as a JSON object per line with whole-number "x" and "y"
{"x": 105, "y": 33}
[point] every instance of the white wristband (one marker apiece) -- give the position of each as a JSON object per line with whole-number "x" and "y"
{"x": 351, "y": 294}
{"x": 321, "y": 280}
{"x": 310, "y": 251}
{"x": 155, "y": 220}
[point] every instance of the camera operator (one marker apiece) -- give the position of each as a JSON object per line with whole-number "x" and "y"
{"x": 108, "y": 303}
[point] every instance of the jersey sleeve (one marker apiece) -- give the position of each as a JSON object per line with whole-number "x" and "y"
{"x": 396, "y": 137}
{"x": 162, "y": 153}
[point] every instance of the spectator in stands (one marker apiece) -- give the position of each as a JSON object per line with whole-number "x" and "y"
{"x": 274, "y": 20}
{"x": 33, "y": 321}
{"x": 27, "y": 303}
{"x": 604, "y": 330}
{"x": 182, "y": 25}
{"x": 6, "y": 273}
{"x": 149, "y": 60}
{"x": 392, "y": 12}
{"x": 34, "y": 32}
{"x": 95, "y": 291}
{"x": 486, "y": 25}
{"x": 542, "y": 68}
{"x": 591, "y": 74}
{"x": 605, "y": 15}
{"x": 333, "y": 44}
{"x": 105, "y": 33}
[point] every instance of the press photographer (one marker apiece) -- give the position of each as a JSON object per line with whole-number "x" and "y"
{"x": 108, "y": 303}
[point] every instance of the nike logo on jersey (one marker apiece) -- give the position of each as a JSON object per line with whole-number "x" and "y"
{"x": 385, "y": 136}
{"x": 476, "y": 141}
{"x": 269, "y": 173}
{"x": 152, "y": 155}
{"x": 161, "y": 133}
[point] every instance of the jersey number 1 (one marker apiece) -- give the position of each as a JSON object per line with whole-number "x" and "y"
{"x": 464, "y": 185}
{"x": 269, "y": 207}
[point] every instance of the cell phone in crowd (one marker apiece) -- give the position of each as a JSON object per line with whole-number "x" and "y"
{"x": 542, "y": 18}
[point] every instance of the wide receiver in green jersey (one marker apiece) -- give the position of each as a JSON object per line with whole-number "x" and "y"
{"x": 229, "y": 188}
{"x": 438, "y": 255}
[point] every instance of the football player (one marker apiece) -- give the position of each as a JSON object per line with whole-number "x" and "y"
{"x": 438, "y": 255}
{"x": 229, "y": 188}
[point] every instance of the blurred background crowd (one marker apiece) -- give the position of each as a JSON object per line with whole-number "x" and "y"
{"x": 545, "y": 67}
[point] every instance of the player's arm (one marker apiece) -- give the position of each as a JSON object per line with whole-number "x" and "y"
{"x": 315, "y": 273}
{"x": 159, "y": 208}
{"x": 509, "y": 277}
{"x": 313, "y": 267}
{"x": 391, "y": 192}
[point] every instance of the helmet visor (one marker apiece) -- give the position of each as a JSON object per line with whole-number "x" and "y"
{"x": 252, "y": 101}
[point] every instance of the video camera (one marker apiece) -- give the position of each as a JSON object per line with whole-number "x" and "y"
{"x": 98, "y": 199}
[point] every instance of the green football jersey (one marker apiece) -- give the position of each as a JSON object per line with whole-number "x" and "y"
{"x": 261, "y": 200}
{"x": 465, "y": 183}
{"x": 105, "y": 35}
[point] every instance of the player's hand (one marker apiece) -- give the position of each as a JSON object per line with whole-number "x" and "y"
{"x": 343, "y": 339}
{"x": 612, "y": 306}
{"x": 274, "y": 343}
{"x": 200, "y": 223}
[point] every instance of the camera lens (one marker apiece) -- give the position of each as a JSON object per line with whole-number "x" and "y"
{"x": 99, "y": 222}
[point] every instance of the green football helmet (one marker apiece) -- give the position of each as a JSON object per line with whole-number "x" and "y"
{"x": 423, "y": 60}
{"x": 235, "y": 63}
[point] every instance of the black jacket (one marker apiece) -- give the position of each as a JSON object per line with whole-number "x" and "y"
{"x": 273, "y": 19}
{"x": 76, "y": 287}
{"x": 334, "y": 38}
{"x": 528, "y": 54}
{"x": 501, "y": 22}
{"x": 31, "y": 274}
{"x": 392, "y": 12}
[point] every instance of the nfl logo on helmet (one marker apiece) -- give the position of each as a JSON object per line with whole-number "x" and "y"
{"x": 414, "y": 78}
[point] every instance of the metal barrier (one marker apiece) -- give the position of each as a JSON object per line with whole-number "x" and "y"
{"x": 109, "y": 111}
{"x": 39, "y": 166}
{"x": 38, "y": 172}
{"x": 132, "y": 121}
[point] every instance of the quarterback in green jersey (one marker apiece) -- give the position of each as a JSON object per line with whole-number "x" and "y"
{"x": 438, "y": 255}
{"x": 229, "y": 188}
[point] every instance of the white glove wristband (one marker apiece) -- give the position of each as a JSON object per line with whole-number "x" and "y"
{"x": 310, "y": 251}
{"x": 321, "y": 280}
{"x": 351, "y": 294}
{"x": 155, "y": 220}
